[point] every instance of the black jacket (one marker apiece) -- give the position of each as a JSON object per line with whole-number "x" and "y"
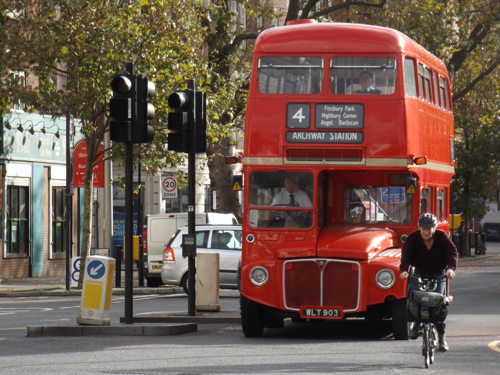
{"x": 443, "y": 254}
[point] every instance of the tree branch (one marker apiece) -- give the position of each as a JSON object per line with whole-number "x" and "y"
{"x": 478, "y": 34}
{"x": 347, "y": 4}
{"x": 475, "y": 81}
{"x": 229, "y": 49}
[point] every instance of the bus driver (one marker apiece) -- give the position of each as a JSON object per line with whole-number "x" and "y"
{"x": 291, "y": 195}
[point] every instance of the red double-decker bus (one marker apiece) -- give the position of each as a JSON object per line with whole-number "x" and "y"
{"x": 348, "y": 138}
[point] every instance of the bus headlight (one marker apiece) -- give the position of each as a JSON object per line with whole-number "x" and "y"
{"x": 385, "y": 278}
{"x": 259, "y": 276}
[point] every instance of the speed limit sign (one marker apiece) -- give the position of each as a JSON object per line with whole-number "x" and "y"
{"x": 169, "y": 187}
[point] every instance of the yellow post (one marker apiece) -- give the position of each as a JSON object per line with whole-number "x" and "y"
{"x": 135, "y": 248}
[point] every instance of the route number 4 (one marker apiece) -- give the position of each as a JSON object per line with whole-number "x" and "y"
{"x": 299, "y": 116}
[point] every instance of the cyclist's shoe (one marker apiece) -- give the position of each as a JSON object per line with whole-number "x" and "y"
{"x": 443, "y": 345}
{"x": 414, "y": 331}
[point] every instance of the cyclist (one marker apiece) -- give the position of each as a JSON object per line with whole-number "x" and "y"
{"x": 432, "y": 254}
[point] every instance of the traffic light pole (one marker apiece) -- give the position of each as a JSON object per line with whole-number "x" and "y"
{"x": 188, "y": 125}
{"x": 191, "y": 210}
{"x": 129, "y": 196}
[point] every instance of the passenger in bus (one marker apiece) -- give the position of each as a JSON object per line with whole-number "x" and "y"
{"x": 357, "y": 214}
{"x": 365, "y": 85}
{"x": 291, "y": 195}
{"x": 432, "y": 254}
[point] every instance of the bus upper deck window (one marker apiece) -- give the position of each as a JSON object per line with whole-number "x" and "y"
{"x": 290, "y": 75}
{"x": 410, "y": 83}
{"x": 363, "y": 75}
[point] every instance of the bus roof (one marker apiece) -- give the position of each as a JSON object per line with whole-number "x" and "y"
{"x": 333, "y": 37}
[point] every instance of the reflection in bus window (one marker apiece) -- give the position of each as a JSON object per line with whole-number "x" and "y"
{"x": 363, "y": 75}
{"x": 382, "y": 204}
{"x": 290, "y": 75}
{"x": 440, "y": 205}
{"x": 285, "y": 194}
{"x": 424, "y": 201}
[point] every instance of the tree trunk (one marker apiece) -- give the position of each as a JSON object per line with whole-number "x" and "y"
{"x": 221, "y": 178}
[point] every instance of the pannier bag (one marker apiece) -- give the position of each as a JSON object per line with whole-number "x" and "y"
{"x": 426, "y": 307}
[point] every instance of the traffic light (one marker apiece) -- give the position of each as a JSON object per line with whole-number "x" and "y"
{"x": 122, "y": 107}
{"x": 201, "y": 122}
{"x": 181, "y": 122}
{"x": 143, "y": 132}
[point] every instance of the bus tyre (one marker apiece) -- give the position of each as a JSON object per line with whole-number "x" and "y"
{"x": 251, "y": 318}
{"x": 400, "y": 325}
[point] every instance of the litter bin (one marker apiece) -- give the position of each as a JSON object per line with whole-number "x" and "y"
{"x": 97, "y": 290}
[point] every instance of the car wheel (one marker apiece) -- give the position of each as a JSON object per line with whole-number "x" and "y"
{"x": 153, "y": 282}
{"x": 251, "y": 318}
{"x": 400, "y": 324}
{"x": 184, "y": 283}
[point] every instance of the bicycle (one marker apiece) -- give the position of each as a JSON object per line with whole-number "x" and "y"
{"x": 427, "y": 307}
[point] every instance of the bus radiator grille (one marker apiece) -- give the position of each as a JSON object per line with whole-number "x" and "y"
{"x": 321, "y": 282}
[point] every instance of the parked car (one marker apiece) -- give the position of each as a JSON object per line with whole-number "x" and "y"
{"x": 492, "y": 231}
{"x": 222, "y": 239}
{"x": 160, "y": 228}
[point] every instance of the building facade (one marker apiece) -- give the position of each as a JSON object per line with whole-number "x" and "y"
{"x": 32, "y": 196}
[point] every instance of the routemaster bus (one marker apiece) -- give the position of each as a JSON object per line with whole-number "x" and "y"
{"x": 348, "y": 138}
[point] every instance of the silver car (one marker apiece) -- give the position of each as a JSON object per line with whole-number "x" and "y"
{"x": 222, "y": 239}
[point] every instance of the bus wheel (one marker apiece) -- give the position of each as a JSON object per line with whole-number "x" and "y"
{"x": 251, "y": 318}
{"x": 400, "y": 325}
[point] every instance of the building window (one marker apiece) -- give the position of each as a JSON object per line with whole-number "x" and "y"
{"x": 19, "y": 80}
{"x": 58, "y": 221}
{"x": 17, "y": 239}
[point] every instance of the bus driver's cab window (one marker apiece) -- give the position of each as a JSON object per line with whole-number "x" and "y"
{"x": 363, "y": 75}
{"x": 281, "y": 199}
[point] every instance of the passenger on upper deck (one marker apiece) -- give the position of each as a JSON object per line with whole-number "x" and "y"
{"x": 365, "y": 85}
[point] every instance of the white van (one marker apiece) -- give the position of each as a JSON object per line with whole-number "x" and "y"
{"x": 158, "y": 231}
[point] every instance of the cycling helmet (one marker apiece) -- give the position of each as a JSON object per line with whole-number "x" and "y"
{"x": 427, "y": 220}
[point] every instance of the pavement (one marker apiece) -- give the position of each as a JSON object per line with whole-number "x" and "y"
{"x": 168, "y": 323}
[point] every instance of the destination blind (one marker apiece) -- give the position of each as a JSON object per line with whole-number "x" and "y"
{"x": 339, "y": 116}
{"x": 324, "y": 137}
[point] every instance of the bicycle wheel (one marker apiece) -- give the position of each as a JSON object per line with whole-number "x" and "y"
{"x": 426, "y": 347}
{"x": 433, "y": 343}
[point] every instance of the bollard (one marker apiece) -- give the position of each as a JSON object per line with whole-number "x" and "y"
{"x": 97, "y": 290}
{"x": 207, "y": 282}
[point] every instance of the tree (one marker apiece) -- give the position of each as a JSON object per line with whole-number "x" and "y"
{"x": 81, "y": 44}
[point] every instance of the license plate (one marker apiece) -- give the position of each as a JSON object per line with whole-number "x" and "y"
{"x": 321, "y": 312}
{"x": 157, "y": 266}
